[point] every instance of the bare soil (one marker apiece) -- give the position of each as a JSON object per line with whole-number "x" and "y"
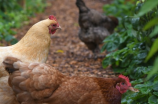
{"x": 67, "y": 53}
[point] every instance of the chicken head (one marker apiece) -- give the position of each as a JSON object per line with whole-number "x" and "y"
{"x": 124, "y": 85}
{"x": 54, "y": 25}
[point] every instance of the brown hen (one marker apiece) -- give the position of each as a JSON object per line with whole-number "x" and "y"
{"x": 35, "y": 83}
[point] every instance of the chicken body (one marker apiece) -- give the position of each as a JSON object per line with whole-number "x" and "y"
{"x": 35, "y": 83}
{"x": 33, "y": 47}
{"x": 95, "y": 27}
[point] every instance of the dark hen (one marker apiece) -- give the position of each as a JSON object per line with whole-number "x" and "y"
{"x": 95, "y": 26}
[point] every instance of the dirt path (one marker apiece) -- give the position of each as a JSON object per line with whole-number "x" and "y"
{"x": 67, "y": 53}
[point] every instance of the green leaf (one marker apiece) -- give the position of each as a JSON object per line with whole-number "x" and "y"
{"x": 151, "y": 23}
{"x": 147, "y": 6}
{"x": 154, "y": 32}
{"x": 140, "y": 71}
{"x": 8, "y": 38}
{"x": 155, "y": 87}
{"x": 137, "y": 81}
{"x": 152, "y": 100}
{"x": 153, "y": 50}
{"x": 145, "y": 88}
{"x": 142, "y": 55}
{"x": 106, "y": 62}
{"x": 14, "y": 41}
{"x": 118, "y": 70}
{"x": 147, "y": 70}
{"x": 129, "y": 97}
{"x": 111, "y": 43}
{"x": 155, "y": 93}
{"x": 154, "y": 70}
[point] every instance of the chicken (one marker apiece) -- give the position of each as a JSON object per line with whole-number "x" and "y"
{"x": 33, "y": 47}
{"x": 95, "y": 27}
{"x": 36, "y": 83}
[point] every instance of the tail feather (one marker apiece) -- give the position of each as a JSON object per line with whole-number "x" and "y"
{"x": 8, "y": 64}
{"x": 82, "y": 7}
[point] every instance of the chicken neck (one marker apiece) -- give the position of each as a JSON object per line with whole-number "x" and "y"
{"x": 35, "y": 44}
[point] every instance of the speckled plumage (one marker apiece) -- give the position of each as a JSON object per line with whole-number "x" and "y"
{"x": 36, "y": 83}
{"x": 94, "y": 26}
{"x": 33, "y": 47}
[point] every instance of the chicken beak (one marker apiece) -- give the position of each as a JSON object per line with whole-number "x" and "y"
{"x": 133, "y": 89}
{"x": 58, "y": 27}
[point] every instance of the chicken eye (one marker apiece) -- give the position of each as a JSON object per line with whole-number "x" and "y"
{"x": 123, "y": 83}
{"x": 54, "y": 25}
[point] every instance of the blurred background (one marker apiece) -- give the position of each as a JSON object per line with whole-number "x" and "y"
{"x": 130, "y": 50}
{"x": 15, "y": 13}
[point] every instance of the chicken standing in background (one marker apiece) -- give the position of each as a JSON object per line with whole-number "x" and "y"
{"x": 33, "y": 47}
{"x": 95, "y": 27}
{"x": 35, "y": 83}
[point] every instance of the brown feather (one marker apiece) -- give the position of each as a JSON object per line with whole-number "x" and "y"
{"x": 45, "y": 84}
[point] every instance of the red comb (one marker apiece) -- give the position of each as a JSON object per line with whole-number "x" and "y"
{"x": 51, "y": 17}
{"x": 126, "y": 79}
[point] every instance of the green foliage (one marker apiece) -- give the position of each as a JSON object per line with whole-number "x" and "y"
{"x": 154, "y": 69}
{"x": 152, "y": 8}
{"x": 148, "y": 5}
{"x": 111, "y": 9}
{"x": 8, "y": 5}
{"x": 153, "y": 50}
{"x": 13, "y": 14}
{"x": 129, "y": 46}
{"x": 118, "y": 8}
{"x": 148, "y": 92}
